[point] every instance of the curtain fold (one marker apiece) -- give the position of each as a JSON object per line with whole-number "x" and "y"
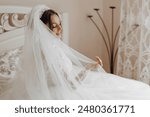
{"x": 134, "y": 42}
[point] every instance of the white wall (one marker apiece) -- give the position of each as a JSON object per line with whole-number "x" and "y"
{"x": 83, "y": 36}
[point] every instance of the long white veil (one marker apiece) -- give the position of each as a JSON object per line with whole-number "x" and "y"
{"x": 50, "y": 69}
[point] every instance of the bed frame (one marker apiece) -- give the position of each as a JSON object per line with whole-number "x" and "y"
{"x": 12, "y": 22}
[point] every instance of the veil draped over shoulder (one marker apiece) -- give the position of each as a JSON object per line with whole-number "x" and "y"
{"x": 51, "y": 69}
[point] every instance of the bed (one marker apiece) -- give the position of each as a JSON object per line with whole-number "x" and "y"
{"x": 13, "y": 20}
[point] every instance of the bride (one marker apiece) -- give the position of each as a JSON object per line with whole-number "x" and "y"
{"x": 49, "y": 69}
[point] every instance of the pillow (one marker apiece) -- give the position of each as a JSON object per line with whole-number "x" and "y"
{"x": 8, "y": 62}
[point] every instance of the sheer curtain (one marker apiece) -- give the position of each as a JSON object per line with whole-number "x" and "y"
{"x": 134, "y": 41}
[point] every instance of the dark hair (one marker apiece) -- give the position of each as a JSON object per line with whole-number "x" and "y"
{"x": 45, "y": 18}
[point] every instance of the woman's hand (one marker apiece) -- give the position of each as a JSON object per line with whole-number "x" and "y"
{"x": 99, "y": 61}
{"x": 95, "y": 65}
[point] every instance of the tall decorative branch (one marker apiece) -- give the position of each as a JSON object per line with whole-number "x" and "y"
{"x": 97, "y": 11}
{"x": 103, "y": 37}
{"x": 110, "y": 43}
{"x": 112, "y": 40}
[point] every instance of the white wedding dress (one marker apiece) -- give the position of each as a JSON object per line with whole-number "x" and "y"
{"x": 49, "y": 69}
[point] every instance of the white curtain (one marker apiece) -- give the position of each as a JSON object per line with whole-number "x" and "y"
{"x": 134, "y": 41}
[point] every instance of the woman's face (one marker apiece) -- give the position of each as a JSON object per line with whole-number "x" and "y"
{"x": 56, "y": 25}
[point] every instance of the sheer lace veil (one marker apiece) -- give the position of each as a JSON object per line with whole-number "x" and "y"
{"x": 64, "y": 66}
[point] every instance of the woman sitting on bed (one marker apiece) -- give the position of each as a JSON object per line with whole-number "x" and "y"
{"x": 49, "y": 69}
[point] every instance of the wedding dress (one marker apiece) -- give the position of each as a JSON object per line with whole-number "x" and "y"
{"x": 49, "y": 69}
